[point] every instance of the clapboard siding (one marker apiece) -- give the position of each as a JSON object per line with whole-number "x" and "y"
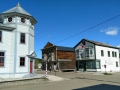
{"x": 7, "y": 46}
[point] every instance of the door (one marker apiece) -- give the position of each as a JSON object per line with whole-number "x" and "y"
{"x": 31, "y": 66}
{"x": 84, "y": 65}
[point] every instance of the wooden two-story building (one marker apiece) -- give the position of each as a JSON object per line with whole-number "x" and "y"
{"x": 62, "y": 57}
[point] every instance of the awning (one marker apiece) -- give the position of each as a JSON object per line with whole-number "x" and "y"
{"x": 32, "y": 55}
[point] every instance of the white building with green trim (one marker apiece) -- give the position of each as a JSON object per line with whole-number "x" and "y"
{"x": 95, "y": 56}
{"x": 16, "y": 43}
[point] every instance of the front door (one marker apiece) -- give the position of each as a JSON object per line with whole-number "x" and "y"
{"x": 31, "y": 66}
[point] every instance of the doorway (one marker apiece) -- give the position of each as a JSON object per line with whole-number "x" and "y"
{"x": 31, "y": 66}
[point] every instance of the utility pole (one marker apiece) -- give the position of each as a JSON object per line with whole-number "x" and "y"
{"x": 46, "y": 71}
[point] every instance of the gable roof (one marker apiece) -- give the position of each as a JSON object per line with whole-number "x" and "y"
{"x": 48, "y": 45}
{"x": 17, "y": 9}
{"x": 97, "y": 43}
{"x": 62, "y": 48}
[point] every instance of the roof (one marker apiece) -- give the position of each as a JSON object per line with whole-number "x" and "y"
{"x": 17, "y": 9}
{"x": 62, "y": 48}
{"x": 96, "y": 43}
{"x": 6, "y": 27}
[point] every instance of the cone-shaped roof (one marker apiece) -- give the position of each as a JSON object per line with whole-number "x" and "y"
{"x": 17, "y": 9}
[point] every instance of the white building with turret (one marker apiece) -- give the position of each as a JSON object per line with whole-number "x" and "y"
{"x": 16, "y": 43}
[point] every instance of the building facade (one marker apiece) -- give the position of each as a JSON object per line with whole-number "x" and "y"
{"x": 96, "y": 56}
{"x": 16, "y": 43}
{"x": 62, "y": 57}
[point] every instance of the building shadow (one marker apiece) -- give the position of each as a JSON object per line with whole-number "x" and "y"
{"x": 100, "y": 87}
{"x": 95, "y": 79}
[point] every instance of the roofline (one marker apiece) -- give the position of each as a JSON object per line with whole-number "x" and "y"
{"x": 21, "y": 14}
{"x": 56, "y": 47}
{"x": 6, "y": 27}
{"x": 95, "y": 44}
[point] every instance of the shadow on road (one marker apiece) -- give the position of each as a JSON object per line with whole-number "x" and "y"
{"x": 100, "y": 87}
{"x": 96, "y": 80}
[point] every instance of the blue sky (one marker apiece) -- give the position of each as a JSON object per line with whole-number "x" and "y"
{"x": 60, "y": 19}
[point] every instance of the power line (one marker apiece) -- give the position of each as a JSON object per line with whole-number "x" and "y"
{"x": 86, "y": 21}
{"x": 88, "y": 29}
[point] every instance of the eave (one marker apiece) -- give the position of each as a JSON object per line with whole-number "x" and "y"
{"x": 4, "y": 27}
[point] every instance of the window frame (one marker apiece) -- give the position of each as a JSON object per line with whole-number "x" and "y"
{"x": 23, "y": 20}
{"x": 10, "y": 19}
{"x": 22, "y": 62}
{"x": 117, "y": 65}
{"x": 22, "y": 39}
{"x": 102, "y": 53}
{"x": 108, "y": 53}
{"x": 113, "y": 54}
{"x": 1, "y": 36}
{"x": 3, "y": 58}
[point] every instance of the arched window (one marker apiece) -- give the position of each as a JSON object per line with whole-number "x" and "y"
{"x": 10, "y": 19}
{"x": 23, "y": 20}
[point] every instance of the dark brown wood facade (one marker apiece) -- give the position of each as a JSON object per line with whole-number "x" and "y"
{"x": 63, "y": 57}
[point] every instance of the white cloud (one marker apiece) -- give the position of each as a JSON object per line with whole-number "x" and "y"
{"x": 118, "y": 46}
{"x": 110, "y": 30}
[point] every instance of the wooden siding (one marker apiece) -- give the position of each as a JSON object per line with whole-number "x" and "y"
{"x": 66, "y": 55}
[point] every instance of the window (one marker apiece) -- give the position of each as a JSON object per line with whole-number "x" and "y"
{"x": 0, "y": 36}
{"x": 113, "y": 54}
{"x": 102, "y": 53}
{"x": 108, "y": 53}
{"x": 22, "y": 38}
{"x": 91, "y": 51}
{"x": 2, "y": 55}
{"x": 91, "y": 65}
{"x": 10, "y": 19}
{"x": 87, "y": 52}
{"x": 22, "y": 61}
{"x": 77, "y": 53}
{"x": 23, "y": 20}
{"x": 116, "y": 64}
{"x": 98, "y": 64}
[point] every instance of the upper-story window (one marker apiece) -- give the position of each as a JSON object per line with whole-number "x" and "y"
{"x": 115, "y": 54}
{"x": 22, "y": 38}
{"x": 102, "y": 53}
{"x": 108, "y": 53}
{"x": 23, "y": 20}
{"x": 0, "y": 36}
{"x": 89, "y": 51}
{"x": 86, "y": 52}
{"x": 10, "y": 19}
{"x": 2, "y": 56}
{"x": 79, "y": 54}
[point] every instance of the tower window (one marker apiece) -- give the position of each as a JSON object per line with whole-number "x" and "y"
{"x": 23, "y": 20}
{"x": 10, "y": 19}
{"x": 0, "y": 36}
{"x": 22, "y": 38}
{"x": 2, "y": 56}
{"x": 22, "y": 61}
